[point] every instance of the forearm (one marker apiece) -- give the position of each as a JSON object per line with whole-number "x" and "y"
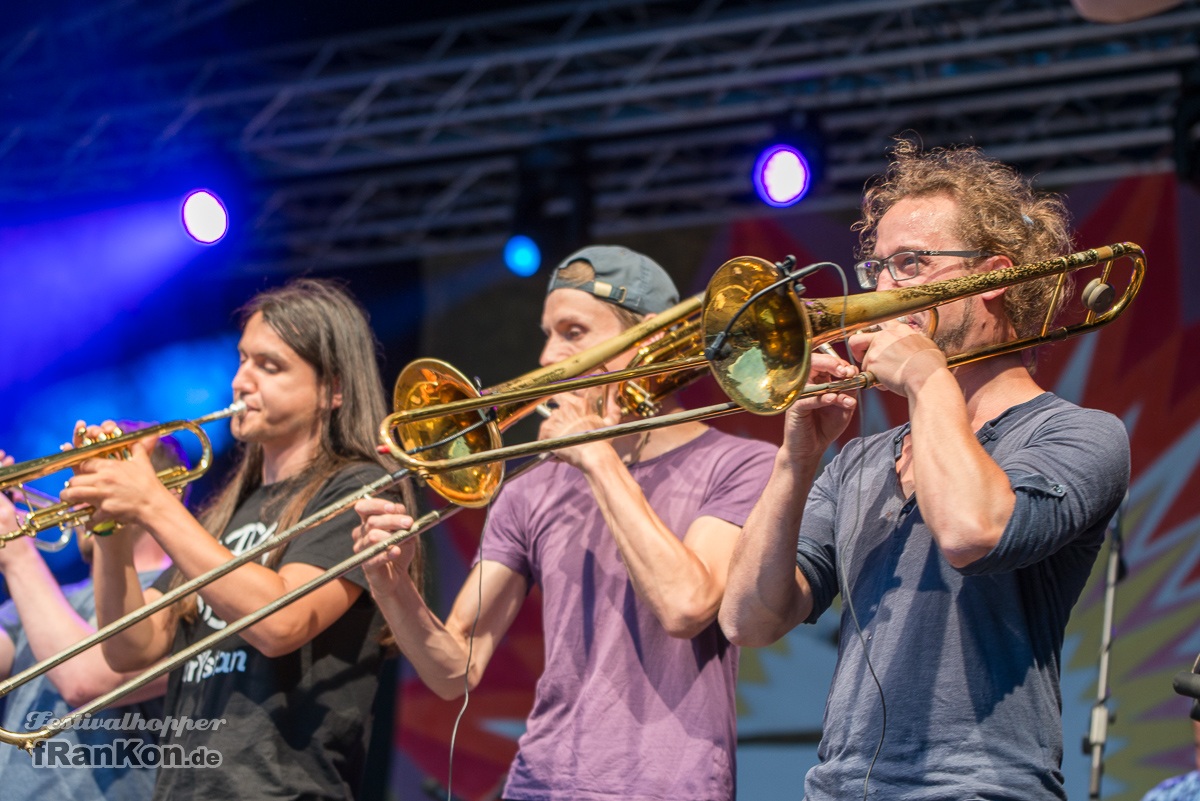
{"x": 675, "y": 584}
{"x": 766, "y": 596}
{"x": 438, "y": 654}
{"x": 244, "y": 590}
{"x": 118, "y": 593}
{"x": 966, "y": 499}
{"x": 52, "y": 625}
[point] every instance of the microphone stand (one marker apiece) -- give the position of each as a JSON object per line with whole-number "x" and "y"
{"x": 1097, "y": 736}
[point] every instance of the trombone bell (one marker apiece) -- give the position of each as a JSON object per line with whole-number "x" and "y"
{"x": 431, "y": 382}
{"x": 769, "y": 349}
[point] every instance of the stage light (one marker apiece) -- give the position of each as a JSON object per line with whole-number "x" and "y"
{"x": 204, "y": 217}
{"x": 782, "y": 176}
{"x": 522, "y": 256}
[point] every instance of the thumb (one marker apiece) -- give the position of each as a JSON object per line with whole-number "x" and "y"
{"x": 144, "y": 446}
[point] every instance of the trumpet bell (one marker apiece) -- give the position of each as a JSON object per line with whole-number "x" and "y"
{"x": 765, "y": 363}
{"x": 431, "y": 382}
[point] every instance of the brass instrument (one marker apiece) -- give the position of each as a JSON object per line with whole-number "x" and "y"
{"x": 428, "y": 393}
{"x": 63, "y": 515}
{"x": 765, "y": 367}
{"x": 30, "y": 740}
{"x": 34, "y": 500}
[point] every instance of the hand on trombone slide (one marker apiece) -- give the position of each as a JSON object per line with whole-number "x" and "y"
{"x": 575, "y": 412}
{"x": 815, "y": 421}
{"x": 381, "y": 519}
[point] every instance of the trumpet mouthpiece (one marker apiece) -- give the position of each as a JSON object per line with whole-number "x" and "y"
{"x": 237, "y": 408}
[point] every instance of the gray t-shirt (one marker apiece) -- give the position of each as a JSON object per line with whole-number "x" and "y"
{"x": 20, "y": 778}
{"x": 622, "y": 710}
{"x": 968, "y": 659}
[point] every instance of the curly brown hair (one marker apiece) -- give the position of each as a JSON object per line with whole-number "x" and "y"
{"x": 998, "y": 212}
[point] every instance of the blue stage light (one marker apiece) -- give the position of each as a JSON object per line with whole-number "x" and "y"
{"x": 204, "y": 217}
{"x": 782, "y": 176}
{"x": 522, "y": 256}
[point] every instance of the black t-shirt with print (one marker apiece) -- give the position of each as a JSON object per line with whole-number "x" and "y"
{"x": 295, "y": 726}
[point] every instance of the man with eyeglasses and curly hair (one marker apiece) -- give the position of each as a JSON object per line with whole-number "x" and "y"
{"x": 962, "y": 538}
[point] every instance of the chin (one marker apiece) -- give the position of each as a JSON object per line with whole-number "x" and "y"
{"x": 242, "y": 433}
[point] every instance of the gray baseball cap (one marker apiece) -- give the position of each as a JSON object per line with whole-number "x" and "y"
{"x": 625, "y": 277}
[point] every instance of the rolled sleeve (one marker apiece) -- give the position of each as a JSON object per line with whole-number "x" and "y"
{"x": 1067, "y": 486}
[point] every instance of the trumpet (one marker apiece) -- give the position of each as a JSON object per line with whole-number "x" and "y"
{"x": 764, "y": 368}
{"x": 761, "y": 344}
{"x": 52, "y": 512}
{"x": 34, "y": 499}
{"x": 29, "y": 740}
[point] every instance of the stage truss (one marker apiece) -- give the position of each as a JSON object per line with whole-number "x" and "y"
{"x": 406, "y": 143}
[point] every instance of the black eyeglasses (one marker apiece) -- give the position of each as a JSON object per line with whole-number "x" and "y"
{"x": 905, "y": 265}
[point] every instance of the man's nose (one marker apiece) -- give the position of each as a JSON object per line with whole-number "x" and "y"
{"x": 241, "y": 381}
{"x": 552, "y": 352}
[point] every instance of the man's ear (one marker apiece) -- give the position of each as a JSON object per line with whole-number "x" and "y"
{"x": 995, "y": 263}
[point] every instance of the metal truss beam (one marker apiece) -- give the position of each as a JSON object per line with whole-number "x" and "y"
{"x": 417, "y": 131}
{"x": 53, "y": 44}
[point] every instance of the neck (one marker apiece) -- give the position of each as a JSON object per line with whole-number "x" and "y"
{"x": 281, "y": 462}
{"x": 992, "y": 386}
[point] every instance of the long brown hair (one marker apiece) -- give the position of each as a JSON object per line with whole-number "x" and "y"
{"x": 325, "y": 326}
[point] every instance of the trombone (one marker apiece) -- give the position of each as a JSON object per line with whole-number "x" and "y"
{"x": 48, "y": 511}
{"x": 765, "y": 366}
{"x": 760, "y": 342}
{"x": 429, "y": 392}
{"x": 30, "y": 740}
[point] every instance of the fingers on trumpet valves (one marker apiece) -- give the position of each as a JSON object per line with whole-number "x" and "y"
{"x": 85, "y": 434}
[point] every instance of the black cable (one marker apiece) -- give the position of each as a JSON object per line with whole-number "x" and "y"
{"x": 841, "y": 561}
{"x": 470, "y": 653}
{"x": 718, "y": 349}
{"x": 488, "y": 417}
{"x": 848, "y": 595}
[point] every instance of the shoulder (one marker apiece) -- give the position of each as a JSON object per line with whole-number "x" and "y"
{"x": 350, "y": 477}
{"x": 1051, "y": 417}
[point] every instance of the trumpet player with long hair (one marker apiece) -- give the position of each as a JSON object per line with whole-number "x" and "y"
{"x": 629, "y": 541}
{"x": 287, "y": 703}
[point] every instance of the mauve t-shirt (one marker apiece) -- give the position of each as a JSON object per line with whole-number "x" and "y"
{"x": 623, "y": 710}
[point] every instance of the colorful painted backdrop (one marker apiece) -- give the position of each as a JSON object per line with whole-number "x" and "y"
{"x": 1139, "y": 368}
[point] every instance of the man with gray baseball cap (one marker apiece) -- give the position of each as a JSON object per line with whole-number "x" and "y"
{"x": 621, "y": 276}
{"x": 629, "y": 540}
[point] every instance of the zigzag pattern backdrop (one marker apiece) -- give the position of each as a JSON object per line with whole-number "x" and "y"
{"x": 1140, "y": 369}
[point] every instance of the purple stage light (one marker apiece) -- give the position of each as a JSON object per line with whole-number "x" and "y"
{"x": 204, "y": 217}
{"x": 781, "y": 176}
